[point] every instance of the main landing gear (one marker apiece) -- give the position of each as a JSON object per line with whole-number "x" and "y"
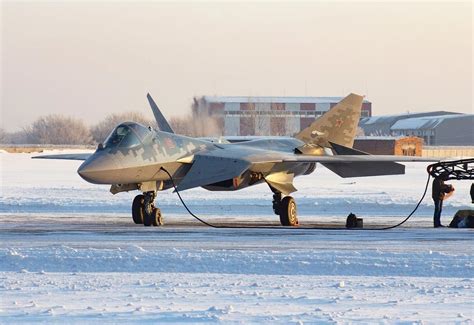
{"x": 144, "y": 210}
{"x": 286, "y": 209}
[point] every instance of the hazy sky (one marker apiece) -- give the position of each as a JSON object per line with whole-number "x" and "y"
{"x": 89, "y": 59}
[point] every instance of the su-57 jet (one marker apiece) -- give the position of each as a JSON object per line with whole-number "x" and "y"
{"x": 136, "y": 157}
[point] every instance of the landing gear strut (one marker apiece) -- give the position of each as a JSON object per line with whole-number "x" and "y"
{"x": 286, "y": 209}
{"x": 144, "y": 210}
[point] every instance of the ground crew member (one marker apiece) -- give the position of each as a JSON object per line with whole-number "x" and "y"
{"x": 439, "y": 190}
{"x": 472, "y": 193}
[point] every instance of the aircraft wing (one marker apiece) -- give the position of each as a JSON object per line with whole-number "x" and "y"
{"x": 217, "y": 166}
{"x": 240, "y": 138}
{"x": 359, "y": 165}
{"x": 68, "y": 156}
{"x": 355, "y": 158}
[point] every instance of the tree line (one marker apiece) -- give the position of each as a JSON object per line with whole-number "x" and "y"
{"x": 65, "y": 130}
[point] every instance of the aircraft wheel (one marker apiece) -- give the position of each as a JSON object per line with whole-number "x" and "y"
{"x": 137, "y": 209}
{"x": 147, "y": 219}
{"x": 148, "y": 216}
{"x": 288, "y": 215}
{"x": 153, "y": 217}
{"x": 276, "y": 203}
{"x": 157, "y": 219}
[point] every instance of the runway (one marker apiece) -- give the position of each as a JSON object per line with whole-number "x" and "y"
{"x": 81, "y": 268}
{"x": 60, "y": 244}
{"x": 69, "y": 253}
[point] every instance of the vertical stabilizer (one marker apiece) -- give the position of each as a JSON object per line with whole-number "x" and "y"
{"x": 338, "y": 125}
{"x": 162, "y": 123}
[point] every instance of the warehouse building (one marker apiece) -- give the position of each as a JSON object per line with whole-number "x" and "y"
{"x": 381, "y": 125}
{"x": 444, "y": 130}
{"x": 435, "y": 128}
{"x": 266, "y": 115}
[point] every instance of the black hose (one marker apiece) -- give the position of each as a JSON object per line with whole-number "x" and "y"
{"x": 280, "y": 227}
{"x": 414, "y": 210}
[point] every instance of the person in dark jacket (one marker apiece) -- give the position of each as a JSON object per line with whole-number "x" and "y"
{"x": 439, "y": 191}
{"x": 472, "y": 193}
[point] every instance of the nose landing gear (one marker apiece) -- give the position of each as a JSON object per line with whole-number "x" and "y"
{"x": 286, "y": 209}
{"x": 144, "y": 210}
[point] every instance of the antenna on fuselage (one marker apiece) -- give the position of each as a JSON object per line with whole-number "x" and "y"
{"x": 161, "y": 121}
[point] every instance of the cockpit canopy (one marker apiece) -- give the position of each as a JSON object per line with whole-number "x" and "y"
{"x": 127, "y": 135}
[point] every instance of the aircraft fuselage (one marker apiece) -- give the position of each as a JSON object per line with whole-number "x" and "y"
{"x": 142, "y": 160}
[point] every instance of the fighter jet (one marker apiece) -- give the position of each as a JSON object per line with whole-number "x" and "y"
{"x": 137, "y": 157}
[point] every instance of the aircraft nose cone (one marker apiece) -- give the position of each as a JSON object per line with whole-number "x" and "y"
{"x": 85, "y": 171}
{"x": 97, "y": 169}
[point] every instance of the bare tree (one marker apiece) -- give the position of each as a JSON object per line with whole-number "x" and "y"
{"x": 18, "y": 137}
{"x": 102, "y": 129}
{"x": 278, "y": 124}
{"x": 205, "y": 126}
{"x": 182, "y": 125}
{"x": 58, "y": 129}
{"x": 264, "y": 121}
{"x": 198, "y": 125}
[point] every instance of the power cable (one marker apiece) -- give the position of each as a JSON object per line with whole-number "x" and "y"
{"x": 280, "y": 227}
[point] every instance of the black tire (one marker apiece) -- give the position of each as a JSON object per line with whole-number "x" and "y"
{"x": 276, "y": 207}
{"x": 288, "y": 212}
{"x": 147, "y": 220}
{"x": 156, "y": 219}
{"x": 137, "y": 209}
{"x": 153, "y": 218}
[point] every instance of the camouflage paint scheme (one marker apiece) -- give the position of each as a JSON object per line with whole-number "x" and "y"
{"x": 233, "y": 166}
{"x": 179, "y": 154}
{"x": 340, "y": 123}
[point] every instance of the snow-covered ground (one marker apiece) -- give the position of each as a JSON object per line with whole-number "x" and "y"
{"x": 69, "y": 253}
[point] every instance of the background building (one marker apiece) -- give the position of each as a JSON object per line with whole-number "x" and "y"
{"x": 266, "y": 115}
{"x": 400, "y": 146}
{"x": 381, "y": 125}
{"x": 435, "y": 128}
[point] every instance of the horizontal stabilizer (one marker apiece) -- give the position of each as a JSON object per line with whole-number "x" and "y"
{"x": 356, "y": 165}
{"x": 341, "y": 150}
{"x": 71, "y": 156}
{"x": 365, "y": 168}
{"x": 347, "y": 159}
{"x": 211, "y": 169}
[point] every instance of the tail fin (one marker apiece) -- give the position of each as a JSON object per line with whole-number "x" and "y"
{"x": 163, "y": 124}
{"x": 338, "y": 125}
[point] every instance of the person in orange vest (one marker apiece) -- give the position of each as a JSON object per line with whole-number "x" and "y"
{"x": 439, "y": 191}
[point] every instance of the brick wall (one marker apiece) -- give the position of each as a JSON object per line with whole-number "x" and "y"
{"x": 407, "y": 146}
